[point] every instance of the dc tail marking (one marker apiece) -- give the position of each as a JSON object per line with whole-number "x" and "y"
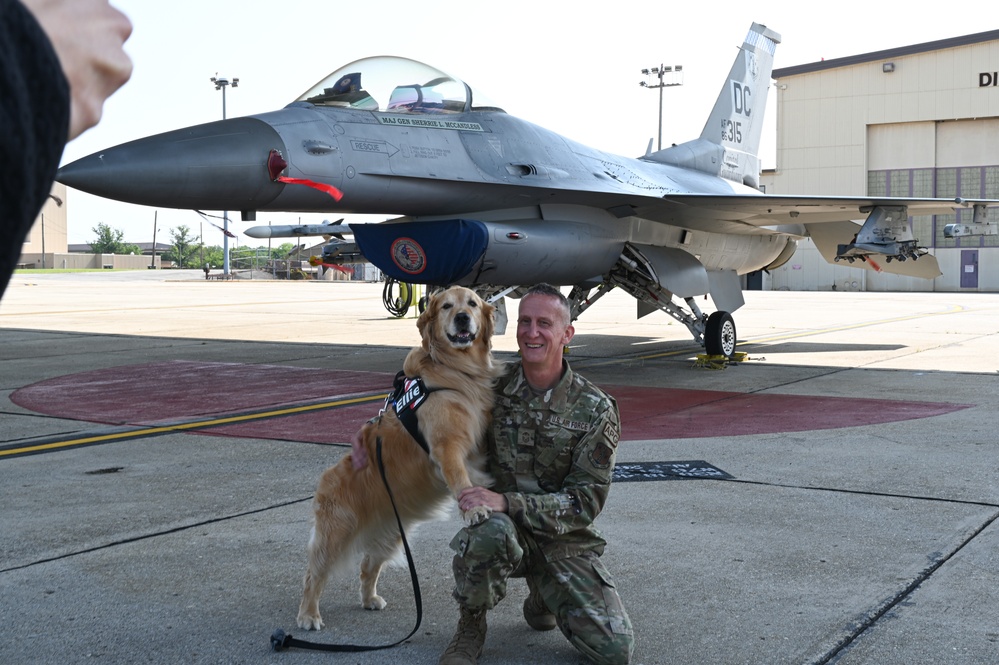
{"x": 729, "y": 144}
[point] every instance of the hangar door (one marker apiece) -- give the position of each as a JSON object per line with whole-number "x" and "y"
{"x": 901, "y": 146}
{"x": 968, "y": 143}
{"x": 943, "y": 144}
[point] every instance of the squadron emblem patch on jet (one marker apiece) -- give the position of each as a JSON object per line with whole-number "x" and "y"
{"x": 409, "y": 256}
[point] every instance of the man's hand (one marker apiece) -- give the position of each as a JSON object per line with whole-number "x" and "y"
{"x": 473, "y": 497}
{"x": 88, "y": 36}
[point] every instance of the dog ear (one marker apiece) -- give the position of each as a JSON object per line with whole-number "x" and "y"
{"x": 424, "y": 324}
{"x": 488, "y": 321}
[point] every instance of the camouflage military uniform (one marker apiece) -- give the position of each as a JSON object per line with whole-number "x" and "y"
{"x": 552, "y": 455}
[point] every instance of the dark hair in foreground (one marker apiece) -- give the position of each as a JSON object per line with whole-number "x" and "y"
{"x": 544, "y": 289}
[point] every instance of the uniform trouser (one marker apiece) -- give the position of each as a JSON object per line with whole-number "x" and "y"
{"x": 579, "y": 590}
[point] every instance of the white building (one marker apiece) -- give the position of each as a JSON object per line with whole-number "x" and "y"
{"x": 916, "y": 121}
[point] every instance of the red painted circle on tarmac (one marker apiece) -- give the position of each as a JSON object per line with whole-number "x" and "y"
{"x": 155, "y": 393}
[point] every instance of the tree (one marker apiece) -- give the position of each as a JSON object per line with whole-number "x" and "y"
{"x": 282, "y": 250}
{"x": 184, "y": 251}
{"x": 214, "y": 256}
{"x": 109, "y": 241}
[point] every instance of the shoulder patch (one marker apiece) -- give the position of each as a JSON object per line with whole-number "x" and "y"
{"x": 600, "y": 456}
{"x": 612, "y": 433}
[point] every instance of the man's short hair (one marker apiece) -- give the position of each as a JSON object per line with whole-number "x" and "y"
{"x": 544, "y": 289}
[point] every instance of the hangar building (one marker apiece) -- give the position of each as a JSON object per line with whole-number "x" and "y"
{"x": 914, "y": 121}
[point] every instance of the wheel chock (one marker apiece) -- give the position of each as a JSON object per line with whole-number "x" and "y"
{"x": 704, "y": 361}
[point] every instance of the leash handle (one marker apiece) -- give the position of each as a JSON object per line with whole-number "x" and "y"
{"x": 281, "y": 640}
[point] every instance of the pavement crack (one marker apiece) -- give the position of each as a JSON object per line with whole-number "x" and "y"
{"x": 878, "y": 612}
{"x": 891, "y": 495}
{"x": 156, "y": 534}
{"x": 803, "y": 379}
{"x": 874, "y": 617}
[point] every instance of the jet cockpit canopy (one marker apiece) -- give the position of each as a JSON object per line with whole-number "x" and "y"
{"x": 392, "y": 84}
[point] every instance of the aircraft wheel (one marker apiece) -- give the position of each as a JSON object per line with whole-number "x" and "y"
{"x": 719, "y": 335}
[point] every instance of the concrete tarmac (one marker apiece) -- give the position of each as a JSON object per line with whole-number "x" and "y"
{"x": 167, "y": 538}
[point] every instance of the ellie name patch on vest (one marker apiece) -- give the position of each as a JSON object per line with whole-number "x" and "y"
{"x": 409, "y": 394}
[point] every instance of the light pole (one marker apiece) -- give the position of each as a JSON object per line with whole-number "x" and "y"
{"x": 58, "y": 202}
{"x": 675, "y": 72}
{"x": 220, "y": 84}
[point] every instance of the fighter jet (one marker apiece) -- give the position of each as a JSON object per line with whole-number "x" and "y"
{"x": 484, "y": 199}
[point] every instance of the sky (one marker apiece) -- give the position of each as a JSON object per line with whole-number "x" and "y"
{"x": 555, "y": 63}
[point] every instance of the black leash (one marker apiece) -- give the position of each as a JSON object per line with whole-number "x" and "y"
{"x": 281, "y": 640}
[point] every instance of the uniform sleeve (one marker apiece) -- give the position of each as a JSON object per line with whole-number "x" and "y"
{"x": 34, "y": 124}
{"x": 584, "y": 488}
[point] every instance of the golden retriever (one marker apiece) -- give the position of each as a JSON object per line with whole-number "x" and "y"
{"x": 353, "y": 513}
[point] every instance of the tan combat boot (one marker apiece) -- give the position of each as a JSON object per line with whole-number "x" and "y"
{"x": 466, "y": 645}
{"x": 538, "y": 616}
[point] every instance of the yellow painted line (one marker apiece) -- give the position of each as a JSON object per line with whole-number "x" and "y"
{"x": 213, "y": 422}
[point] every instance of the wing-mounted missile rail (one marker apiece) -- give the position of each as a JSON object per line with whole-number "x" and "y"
{"x": 327, "y": 230}
{"x": 980, "y": 226}
{"x": 337, "y": 251}
{"x": 887, "y": 233}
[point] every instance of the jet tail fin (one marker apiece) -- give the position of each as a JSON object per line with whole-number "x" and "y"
{"x": 730, "y": 142}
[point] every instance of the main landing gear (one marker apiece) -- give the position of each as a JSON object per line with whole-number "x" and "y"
{"x": 716, "y": 332}
{"x": 635, "y": 276}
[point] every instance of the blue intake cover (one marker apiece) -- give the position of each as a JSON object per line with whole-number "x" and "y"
{"x": 439, "y": 253}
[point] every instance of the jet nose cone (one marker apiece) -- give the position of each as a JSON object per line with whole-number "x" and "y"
{"x": 217, "y": 166}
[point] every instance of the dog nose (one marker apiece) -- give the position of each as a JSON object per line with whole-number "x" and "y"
{"x": 461, "y": 318}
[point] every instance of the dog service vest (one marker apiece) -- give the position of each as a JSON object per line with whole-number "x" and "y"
{"x": 406, "y": 399}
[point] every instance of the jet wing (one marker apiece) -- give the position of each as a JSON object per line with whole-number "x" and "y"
{"x": 742, "y": 214}
{"x": 766, "y": 210}
{"x": 714, "y": 212}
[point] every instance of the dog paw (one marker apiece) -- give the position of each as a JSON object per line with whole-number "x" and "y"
{"x": 477, "y": 515}
{"x": 307, "y": 622}
{"x": 374, "y": 603}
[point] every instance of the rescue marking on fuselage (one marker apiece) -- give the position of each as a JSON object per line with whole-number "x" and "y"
{"x": 369, "y": 146}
